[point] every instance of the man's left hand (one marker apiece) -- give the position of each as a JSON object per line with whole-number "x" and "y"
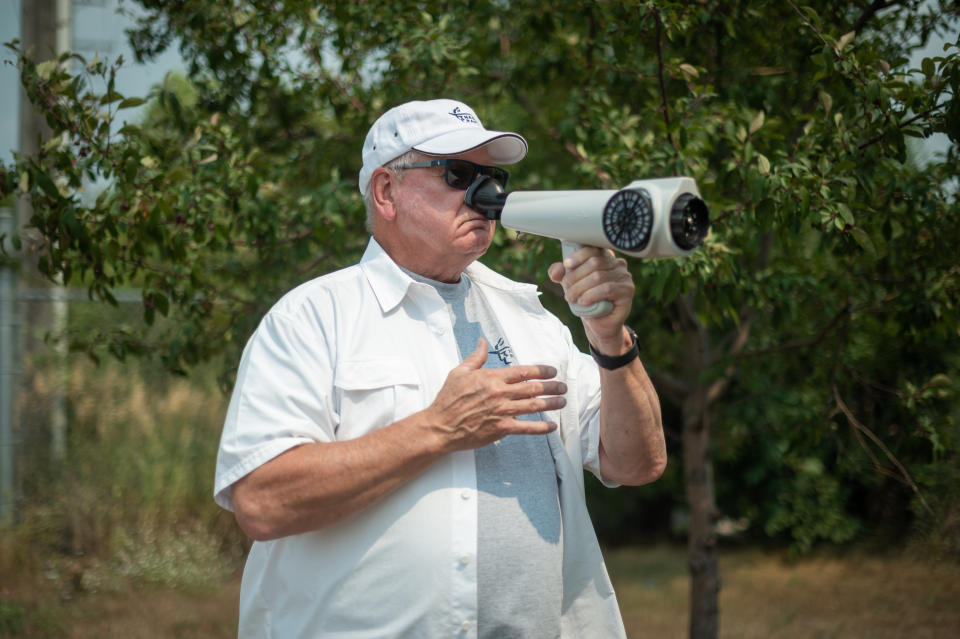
{"x": 592, "y": 275}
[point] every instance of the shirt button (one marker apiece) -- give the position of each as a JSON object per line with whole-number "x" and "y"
{"x": 465, "y": 625}
{"x": 464, "y": 560}
{"x": 465, "y": 494}
{"x": 439, "y": 330}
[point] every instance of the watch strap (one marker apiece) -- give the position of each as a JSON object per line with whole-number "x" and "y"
{"x": 612, "y": 362}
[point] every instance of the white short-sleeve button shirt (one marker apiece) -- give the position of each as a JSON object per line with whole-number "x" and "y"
{"x": 356, "y": 350}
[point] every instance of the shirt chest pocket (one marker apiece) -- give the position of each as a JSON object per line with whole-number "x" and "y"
{"x": 371, "y": 394}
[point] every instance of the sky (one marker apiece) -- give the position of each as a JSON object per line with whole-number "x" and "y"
{"x": 98, "y": 29}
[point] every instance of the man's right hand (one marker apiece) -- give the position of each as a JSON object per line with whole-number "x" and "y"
{"x": 477, "y": 406}
{"x": 315, "y": 485}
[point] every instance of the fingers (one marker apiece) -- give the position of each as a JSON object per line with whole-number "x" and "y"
{"x": 590, "y": 260}
{"x": 591, "y": 275}
{"x": 597, "y": 287}
{"x": 584, "y": 257}
{"x": 502, "y": 393}
{"x": 537, "y": 405}
{"x": 532, "y": 397}
{"x": 476, "y": 359}
{"x": 525, "y": 397}
{"x": 585, "y": 288}
{"x": 556, "y": 271}
{"x": 591, "y": 257}
{"x": 515, "y": 374}
{"x": 523, "y": 386}
{"x": 529, "y": 427}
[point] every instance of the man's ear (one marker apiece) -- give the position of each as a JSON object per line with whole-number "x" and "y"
{"x": 383, "y": 190}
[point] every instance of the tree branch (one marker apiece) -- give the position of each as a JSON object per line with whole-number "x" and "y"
{"x": 663, "y": 84}
{"x": 802, "y": 343}
{"x": 904, "y": 476}
{"x": 869, "y": 12}
{"x": 918, "y": 116}
{"x": 672, "y": 387}
{"x": 717, "y": 388}
{"x": 739, "y": 337}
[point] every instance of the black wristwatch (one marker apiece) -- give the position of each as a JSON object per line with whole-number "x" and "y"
{"x": 611, "y": 363}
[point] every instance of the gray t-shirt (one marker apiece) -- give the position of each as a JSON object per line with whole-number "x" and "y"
{"x": 519, "y": 540}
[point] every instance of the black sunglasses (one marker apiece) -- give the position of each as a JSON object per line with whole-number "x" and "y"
{"x": 460, "y": 174}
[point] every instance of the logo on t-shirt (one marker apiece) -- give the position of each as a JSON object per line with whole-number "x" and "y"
{"x": 502, "y": 350}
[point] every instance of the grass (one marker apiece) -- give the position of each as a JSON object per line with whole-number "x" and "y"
{"x": 138, "y": 466}
{"x": 127, "y": 515}
{"x": 856, "y": 595}
{"x": 851, "y": 596}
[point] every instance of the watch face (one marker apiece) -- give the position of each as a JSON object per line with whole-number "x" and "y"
{"x": 628, "y": 219}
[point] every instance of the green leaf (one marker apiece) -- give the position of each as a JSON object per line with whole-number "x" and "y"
{"x": 130, "y": 102}
{"x": 162, "y": 303}
{"x": 763, "y": 164}
{"x": 689, "y": 71}
{"x": 46, "y": 69}
{"x": 844, "y": 40}
{"x": 863, "y": 240}
{"x": 45, "y": 183}
{"x": 110, "y": 97}
{"x": 826, "y": 100}
{"x": 659, "y": 283}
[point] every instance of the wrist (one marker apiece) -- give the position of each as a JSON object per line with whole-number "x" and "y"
{"x": 425, "y": 427}
{"x": 613, "y": 356}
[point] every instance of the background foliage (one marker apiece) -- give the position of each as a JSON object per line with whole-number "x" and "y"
{"x": 817, "y": 325}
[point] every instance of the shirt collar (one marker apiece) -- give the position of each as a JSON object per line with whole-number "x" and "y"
{"x": 390, "y": 284}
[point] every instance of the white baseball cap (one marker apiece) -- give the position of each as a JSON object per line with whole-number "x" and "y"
{"x": 434, "y": 127}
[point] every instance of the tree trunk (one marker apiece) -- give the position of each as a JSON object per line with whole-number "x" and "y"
{"x": 698, "y": 479}
{"x": 702, "y": 542}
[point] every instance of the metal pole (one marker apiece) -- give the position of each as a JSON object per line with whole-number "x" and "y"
{"x": 8, "y": 374}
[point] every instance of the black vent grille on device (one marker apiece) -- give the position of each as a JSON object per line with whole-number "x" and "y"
{"x": 628, "y": 219}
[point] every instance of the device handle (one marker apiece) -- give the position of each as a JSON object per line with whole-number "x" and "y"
{"x": 597, "y": 309}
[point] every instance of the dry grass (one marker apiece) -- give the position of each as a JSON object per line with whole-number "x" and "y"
{"x": 853, "y": 596}
{"x": 42, "y": 608}
{"x": 127, "y": 516}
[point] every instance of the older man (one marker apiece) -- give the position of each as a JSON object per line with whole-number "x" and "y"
{"x": 406, "y": 438}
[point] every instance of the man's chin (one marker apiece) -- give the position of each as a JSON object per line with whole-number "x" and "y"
{"x": 475, "y": 241}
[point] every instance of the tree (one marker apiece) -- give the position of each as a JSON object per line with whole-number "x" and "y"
{"x": 811, "y": 341}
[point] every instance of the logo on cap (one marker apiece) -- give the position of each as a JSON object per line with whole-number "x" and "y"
{"x": 464, "y": 116}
